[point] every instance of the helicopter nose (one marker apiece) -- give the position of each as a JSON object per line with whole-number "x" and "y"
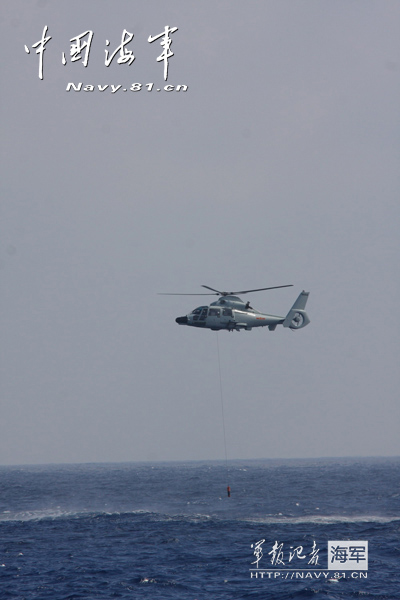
{"x": 181, "y": 320}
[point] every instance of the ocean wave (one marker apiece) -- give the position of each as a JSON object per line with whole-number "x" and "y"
{"x": 323, "y": 519}
{"x": 38, "y": 515}
{"x": 316, "y": 519}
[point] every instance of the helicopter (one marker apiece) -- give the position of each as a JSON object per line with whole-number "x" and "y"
{"x": 229, "y": 312}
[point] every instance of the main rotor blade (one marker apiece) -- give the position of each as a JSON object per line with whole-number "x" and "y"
{"x": 275, "y": 287}
{"x": 216, "y": 291}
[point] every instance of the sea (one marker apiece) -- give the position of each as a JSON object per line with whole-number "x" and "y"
{"x": 320, "y": 529}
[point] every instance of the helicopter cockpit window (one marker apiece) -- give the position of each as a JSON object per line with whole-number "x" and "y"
{"x": 214, "y": 312}
{"x": 203, "y": 314}
{"x": 200, "y": 313}
{"x": 227, "y": 312}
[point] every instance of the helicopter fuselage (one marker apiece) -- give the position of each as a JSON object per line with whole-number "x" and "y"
{"x": 231, "y": 313}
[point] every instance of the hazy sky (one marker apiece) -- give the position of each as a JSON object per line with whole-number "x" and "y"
{"x": 279, "y": 165}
